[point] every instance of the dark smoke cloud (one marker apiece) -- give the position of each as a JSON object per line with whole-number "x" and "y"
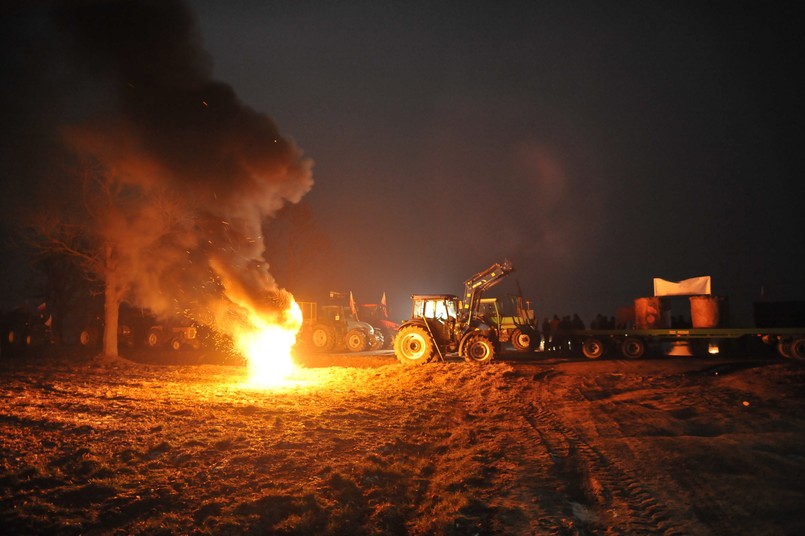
{"x": 169, "y": 116}
{"x": 138, "y": 95}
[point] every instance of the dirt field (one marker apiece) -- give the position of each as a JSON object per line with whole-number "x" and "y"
{"x": 361, "y": 445}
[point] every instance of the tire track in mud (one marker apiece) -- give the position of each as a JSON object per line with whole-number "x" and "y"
{"x": 602, "y": 495}
{"x": 697, "y": 404}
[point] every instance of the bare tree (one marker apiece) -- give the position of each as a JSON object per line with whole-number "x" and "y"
{"x": 111, "y": 232}
{"x": 61, "y": 285}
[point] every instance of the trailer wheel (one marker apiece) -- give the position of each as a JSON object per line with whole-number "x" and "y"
{"x": 479, "y": 349}
{"x": 522, "y": 340}
{"x": 413, "y": 346}
{"x": 797, "y": 348}
{"x": 592, "y": 348}
{"x": 784, "y": 349}
{"x": 355, "y": 340}
{"x": 322, "y": 338}
{"x": 633, "y": 348}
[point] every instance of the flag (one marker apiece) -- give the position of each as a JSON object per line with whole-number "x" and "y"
{"x": 689, "y": 287}
{"x": 383, "y": 306}
{"x": 352, "y": 306}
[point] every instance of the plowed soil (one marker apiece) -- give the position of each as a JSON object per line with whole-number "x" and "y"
{"x": 362, "y": 445}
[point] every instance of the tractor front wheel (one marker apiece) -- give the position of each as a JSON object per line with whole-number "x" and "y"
{"x": 154, "y": 338}
{"x": 479, "y": 349}
{"x": 376, "y": 341}
{"x": 89, "y": 337}
{"x": 414, "y": 346}
{"x": 356, "y": 340}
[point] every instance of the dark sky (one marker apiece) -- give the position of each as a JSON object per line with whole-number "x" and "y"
{"x": 595, "y": 146}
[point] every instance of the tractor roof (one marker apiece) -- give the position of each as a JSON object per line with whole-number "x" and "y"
{"x": 434, "y": 297}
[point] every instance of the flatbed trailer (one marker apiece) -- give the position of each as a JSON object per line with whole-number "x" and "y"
{"x": 632, "y": 343}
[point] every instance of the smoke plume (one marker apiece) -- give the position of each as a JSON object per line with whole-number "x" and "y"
{"x": 143, "y": 103}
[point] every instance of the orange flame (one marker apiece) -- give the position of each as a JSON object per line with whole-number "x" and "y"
{"x": 267, "y": 347}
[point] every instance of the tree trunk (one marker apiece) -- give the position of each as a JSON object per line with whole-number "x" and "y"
{"x": 111, "y": 307}
{"x": 111, "y": 312}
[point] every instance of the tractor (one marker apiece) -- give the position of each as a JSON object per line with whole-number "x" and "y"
{"x": 442, "y": 324}
{"x": 377, "y": 315}
{"x": 519, "y": 329}
{"x": 331, "y": 327}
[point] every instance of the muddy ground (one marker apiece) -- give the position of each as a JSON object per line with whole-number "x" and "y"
{"x": 362, "y": 445}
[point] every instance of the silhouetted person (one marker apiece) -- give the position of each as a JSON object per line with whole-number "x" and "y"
{"x": 554, "y": 331}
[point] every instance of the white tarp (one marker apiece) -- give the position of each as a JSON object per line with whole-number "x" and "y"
{"x": 689, "y": 287}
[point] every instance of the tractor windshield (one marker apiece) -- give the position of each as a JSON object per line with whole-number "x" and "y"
{"x": 441, "y": 308}
{"x": 489, "y": 309}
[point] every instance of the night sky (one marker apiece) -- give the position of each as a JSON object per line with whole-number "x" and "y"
{"x": 595, "y": 146}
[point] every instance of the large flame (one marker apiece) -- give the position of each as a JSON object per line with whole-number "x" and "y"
{"x": 267, "y": 344}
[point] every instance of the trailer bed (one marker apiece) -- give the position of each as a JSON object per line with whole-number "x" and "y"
{"x": 790, "y": 342}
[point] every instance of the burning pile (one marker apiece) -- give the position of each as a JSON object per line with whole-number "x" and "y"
{"x": 267, "y": 346}
{"x": 263, "y": 323}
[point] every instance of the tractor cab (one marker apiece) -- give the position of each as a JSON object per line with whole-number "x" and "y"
{"x": 438, "y": 312}
{"x": 437, "y": 327}
{"x": 442, "y": 307}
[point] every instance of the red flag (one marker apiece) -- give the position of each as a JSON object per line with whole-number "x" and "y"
{"x": 352, "y": 306}
{"x": 383, "y": 306}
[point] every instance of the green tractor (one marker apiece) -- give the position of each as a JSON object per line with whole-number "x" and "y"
{"x": 442, "y": 324}
{"x": 436, "y": 328}
{"x": 519, "y": 329}
{"x": 327, "y": 328}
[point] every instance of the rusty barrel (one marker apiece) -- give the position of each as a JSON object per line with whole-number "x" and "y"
{"x": 651, "y": 312}
{"x": 708, "y": 311}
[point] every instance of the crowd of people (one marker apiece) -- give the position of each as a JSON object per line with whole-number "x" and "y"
{"x": 552, "y": 329}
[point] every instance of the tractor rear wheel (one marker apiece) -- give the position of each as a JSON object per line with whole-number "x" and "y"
{"x": 322, "y": 338}
{"x": 522, "y": 340}
{"x": 355, "y": 340}
{"x": 414, "y": 346}
{"x": 479, "y": 349}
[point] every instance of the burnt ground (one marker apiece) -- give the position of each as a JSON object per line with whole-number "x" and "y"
{"x": 362, "y": 445}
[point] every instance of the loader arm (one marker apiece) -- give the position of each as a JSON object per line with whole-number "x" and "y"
{"x": 475, "y": 286}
